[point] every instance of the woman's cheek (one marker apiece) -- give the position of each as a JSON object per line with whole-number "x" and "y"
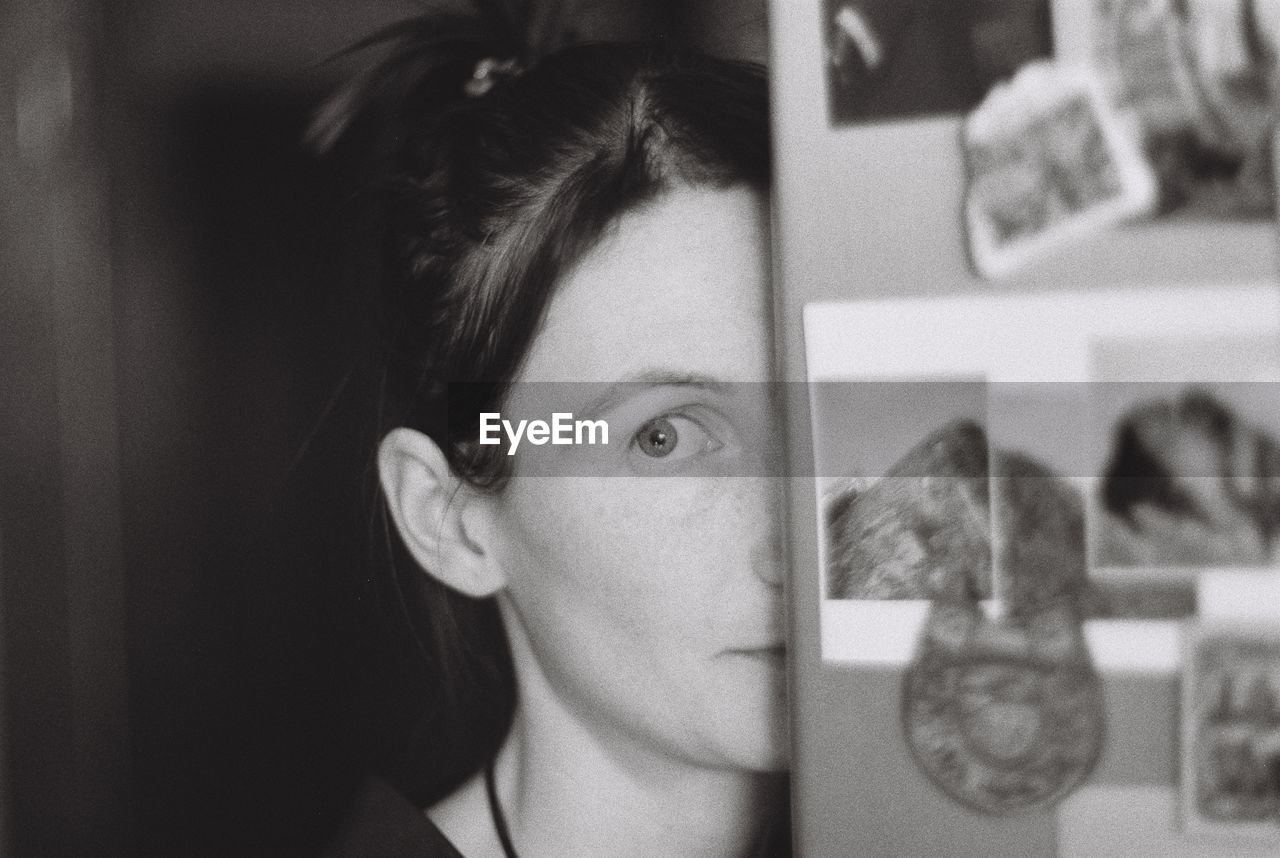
{"x": 641, "y": 552}
{"x": 681, "y": 543}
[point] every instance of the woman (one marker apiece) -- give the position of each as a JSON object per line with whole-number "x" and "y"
{"x": 586, "y": 233}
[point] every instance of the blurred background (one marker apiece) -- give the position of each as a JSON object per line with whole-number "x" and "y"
{"x": 182, "y": 450}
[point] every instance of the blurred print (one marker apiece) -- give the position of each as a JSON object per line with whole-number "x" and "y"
{"x": 903, "y": 58}
{"x": 1231, "y": 732}
{"x": 1185, "y": 429}
{"x": 1198, "y": 77}
{"x": 1190, "y": 483}
{"x": 922, "y": 530}
{"x": 1049, "y": 159}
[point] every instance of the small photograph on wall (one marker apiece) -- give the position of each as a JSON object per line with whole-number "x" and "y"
{"x": 1186, "y": 442}
{"x": 1049, "y": 160}
{"x": 892, "y": 59}
{"x": 1231, "y": 732}
{"x": 902, "y": 464}
{"x": 1196, "y": 79}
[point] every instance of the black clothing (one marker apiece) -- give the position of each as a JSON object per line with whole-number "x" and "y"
{"x": 384, "y": 824}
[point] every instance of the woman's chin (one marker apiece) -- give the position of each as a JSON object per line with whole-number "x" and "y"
{"x": 762, "y": 715}
{"x": 777, "y": 756}
{"x": 761, "y": 740}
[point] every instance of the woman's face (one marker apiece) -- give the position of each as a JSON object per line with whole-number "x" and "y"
{"x": 644, "y": 579}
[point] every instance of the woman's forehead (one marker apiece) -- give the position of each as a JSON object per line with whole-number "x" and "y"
{"x": 681, "y": 283}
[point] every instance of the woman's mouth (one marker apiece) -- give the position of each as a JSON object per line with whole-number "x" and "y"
{"x": 770, "y": 652}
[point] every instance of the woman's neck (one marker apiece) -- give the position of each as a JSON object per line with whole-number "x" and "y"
{"x": 561, "y": 785}
{"x": 566, "y": 787}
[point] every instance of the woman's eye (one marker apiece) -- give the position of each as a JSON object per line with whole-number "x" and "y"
{"x": 658, "y": 438}
{"x": 673, "y": 437}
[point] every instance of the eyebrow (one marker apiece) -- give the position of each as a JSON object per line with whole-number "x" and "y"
{"x": 647, "y": 379}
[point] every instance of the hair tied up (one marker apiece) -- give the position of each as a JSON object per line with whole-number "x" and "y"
{"x": 489, "y": 71}
{"x": 450, "y": 52}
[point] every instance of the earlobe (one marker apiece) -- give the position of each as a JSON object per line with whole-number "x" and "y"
{"x": 437, "y": 514}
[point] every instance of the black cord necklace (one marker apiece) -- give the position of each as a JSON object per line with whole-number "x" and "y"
{"x": 495, "y": 810}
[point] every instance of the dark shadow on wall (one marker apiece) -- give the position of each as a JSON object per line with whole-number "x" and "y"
{"x": 245, "y": 445}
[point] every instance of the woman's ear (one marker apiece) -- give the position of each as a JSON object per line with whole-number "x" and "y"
{"x": 442, "y": 520}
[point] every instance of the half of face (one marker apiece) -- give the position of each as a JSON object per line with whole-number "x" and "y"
{"x": 640, "y": 580}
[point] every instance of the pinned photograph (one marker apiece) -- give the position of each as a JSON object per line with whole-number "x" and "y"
{"x": 1200, "y": 77}
{"x": 893, "y": 59}
{"x": 1049, "y": 160}
{"x": 903, "y": 469}
{"x": 1188, "y": 429}
{"x": 1231, "y": 731}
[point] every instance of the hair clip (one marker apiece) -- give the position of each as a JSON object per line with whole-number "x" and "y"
{"x": 488, "y": 72}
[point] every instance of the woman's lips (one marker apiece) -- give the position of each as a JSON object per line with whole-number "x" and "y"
{"x": 769, "y": 651}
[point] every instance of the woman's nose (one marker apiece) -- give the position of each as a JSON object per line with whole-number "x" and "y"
{"x": 767, "y": 548}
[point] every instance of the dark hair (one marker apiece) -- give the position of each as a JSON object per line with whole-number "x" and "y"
{"x": 484, "y": 202}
